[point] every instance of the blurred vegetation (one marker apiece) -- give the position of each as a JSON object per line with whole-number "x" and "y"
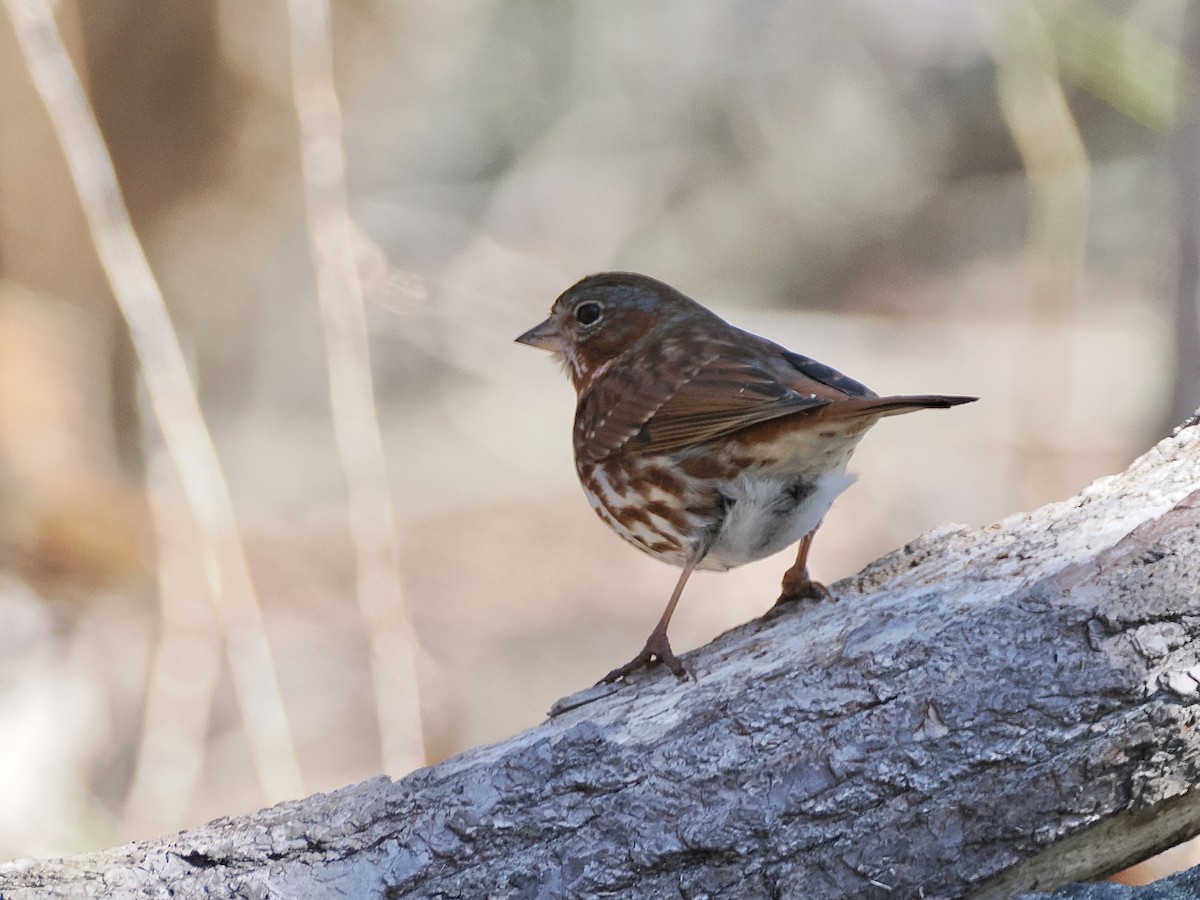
{"x": 987, "y": 198}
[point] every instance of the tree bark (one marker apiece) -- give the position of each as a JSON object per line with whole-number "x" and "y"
{"x": 983, "y": 712}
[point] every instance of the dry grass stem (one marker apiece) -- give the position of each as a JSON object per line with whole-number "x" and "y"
{"x": 172, "y": 397}
{"x": 1058, "y": 174}
{"x": 184, "y": 670}
{"x": 352, "y": 399}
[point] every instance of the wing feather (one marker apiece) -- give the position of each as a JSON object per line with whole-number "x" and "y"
{"x": 662, "y": 400}
{"x": 724, "y": 397}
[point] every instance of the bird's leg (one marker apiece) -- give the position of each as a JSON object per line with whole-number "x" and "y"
{"x": 657, "y": 646}
{"x": 797, "y": 585}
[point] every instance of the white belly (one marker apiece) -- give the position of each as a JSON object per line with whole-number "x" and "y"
{"x": 767, "y": 513}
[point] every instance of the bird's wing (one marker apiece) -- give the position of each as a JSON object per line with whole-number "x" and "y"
{"x": 812, "y": 370}
{"x": 723, "y": 397}
{"x": 627, "y": 394}
{"x": 650, "y": 407}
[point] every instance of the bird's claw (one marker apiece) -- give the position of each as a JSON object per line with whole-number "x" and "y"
{"x": 657, "y": 649}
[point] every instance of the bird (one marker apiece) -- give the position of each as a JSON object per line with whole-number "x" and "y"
{"x": 703, "y": 445}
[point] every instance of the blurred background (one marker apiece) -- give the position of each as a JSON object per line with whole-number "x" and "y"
{"x": 995, "y": 198}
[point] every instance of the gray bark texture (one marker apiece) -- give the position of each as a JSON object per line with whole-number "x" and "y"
{"x": 984, "y": 712}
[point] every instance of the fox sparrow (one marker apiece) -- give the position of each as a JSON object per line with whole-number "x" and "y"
{"x": 701, "y": 444}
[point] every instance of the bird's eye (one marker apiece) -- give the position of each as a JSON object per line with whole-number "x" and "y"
{"x": 588, "y": 313}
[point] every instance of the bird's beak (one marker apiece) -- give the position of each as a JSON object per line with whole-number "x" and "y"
{"x": 543, "y": 336}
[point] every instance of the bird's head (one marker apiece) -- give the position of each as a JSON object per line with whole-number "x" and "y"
{"x": 603, "y": 316}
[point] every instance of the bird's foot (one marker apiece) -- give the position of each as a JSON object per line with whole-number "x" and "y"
{"x": 657, "y": 649}
{"x": 795, "y": 589}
